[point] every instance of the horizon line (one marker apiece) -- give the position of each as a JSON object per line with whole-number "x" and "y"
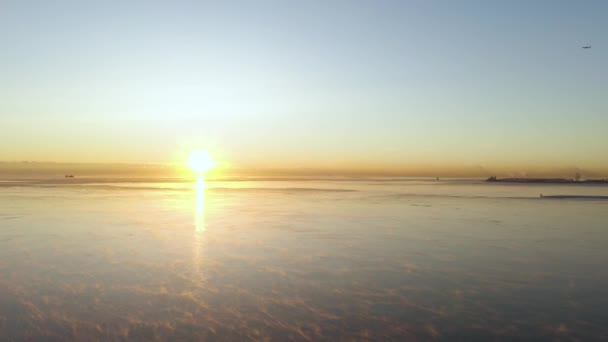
{"x": 169, "y": 169}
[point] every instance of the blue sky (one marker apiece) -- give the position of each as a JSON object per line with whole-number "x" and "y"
{"x": 295, "y": 83}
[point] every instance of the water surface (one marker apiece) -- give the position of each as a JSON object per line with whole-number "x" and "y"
{"x": 326, "y": 259}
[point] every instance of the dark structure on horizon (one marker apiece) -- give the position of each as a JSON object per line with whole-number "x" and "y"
{"x": 547, "y": 180}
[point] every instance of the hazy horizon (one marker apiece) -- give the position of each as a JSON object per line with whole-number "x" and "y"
{"x": 179, "y": 170}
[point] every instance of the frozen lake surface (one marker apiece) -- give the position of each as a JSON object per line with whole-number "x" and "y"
{"x": 326, "y": 259}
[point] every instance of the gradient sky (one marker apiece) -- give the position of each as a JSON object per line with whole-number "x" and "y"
{"x": 306, "y": 83}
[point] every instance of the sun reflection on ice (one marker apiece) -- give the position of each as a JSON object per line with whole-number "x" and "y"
{"x": 200, "y": 162}
{"x": 200, "y": 204}
{"x": 199, "y": 226}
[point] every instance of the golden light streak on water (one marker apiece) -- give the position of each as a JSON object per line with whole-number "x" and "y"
{"x": 200, "y": 204}
{"x": 199, "y": 226}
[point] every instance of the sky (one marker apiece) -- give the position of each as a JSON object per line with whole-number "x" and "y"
{"x": 383, "y": 85}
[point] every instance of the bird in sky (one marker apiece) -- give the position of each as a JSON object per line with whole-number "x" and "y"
{"x": 587, "y": 47}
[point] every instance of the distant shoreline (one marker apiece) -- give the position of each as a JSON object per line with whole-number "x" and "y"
{"x": 546, "y": 180}
{"x": 573, "y": 197}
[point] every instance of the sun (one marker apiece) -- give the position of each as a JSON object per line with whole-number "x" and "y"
{"x": 200, "y": 161}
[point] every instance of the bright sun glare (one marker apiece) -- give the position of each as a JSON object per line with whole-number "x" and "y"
{"x": 200, "y": 161}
